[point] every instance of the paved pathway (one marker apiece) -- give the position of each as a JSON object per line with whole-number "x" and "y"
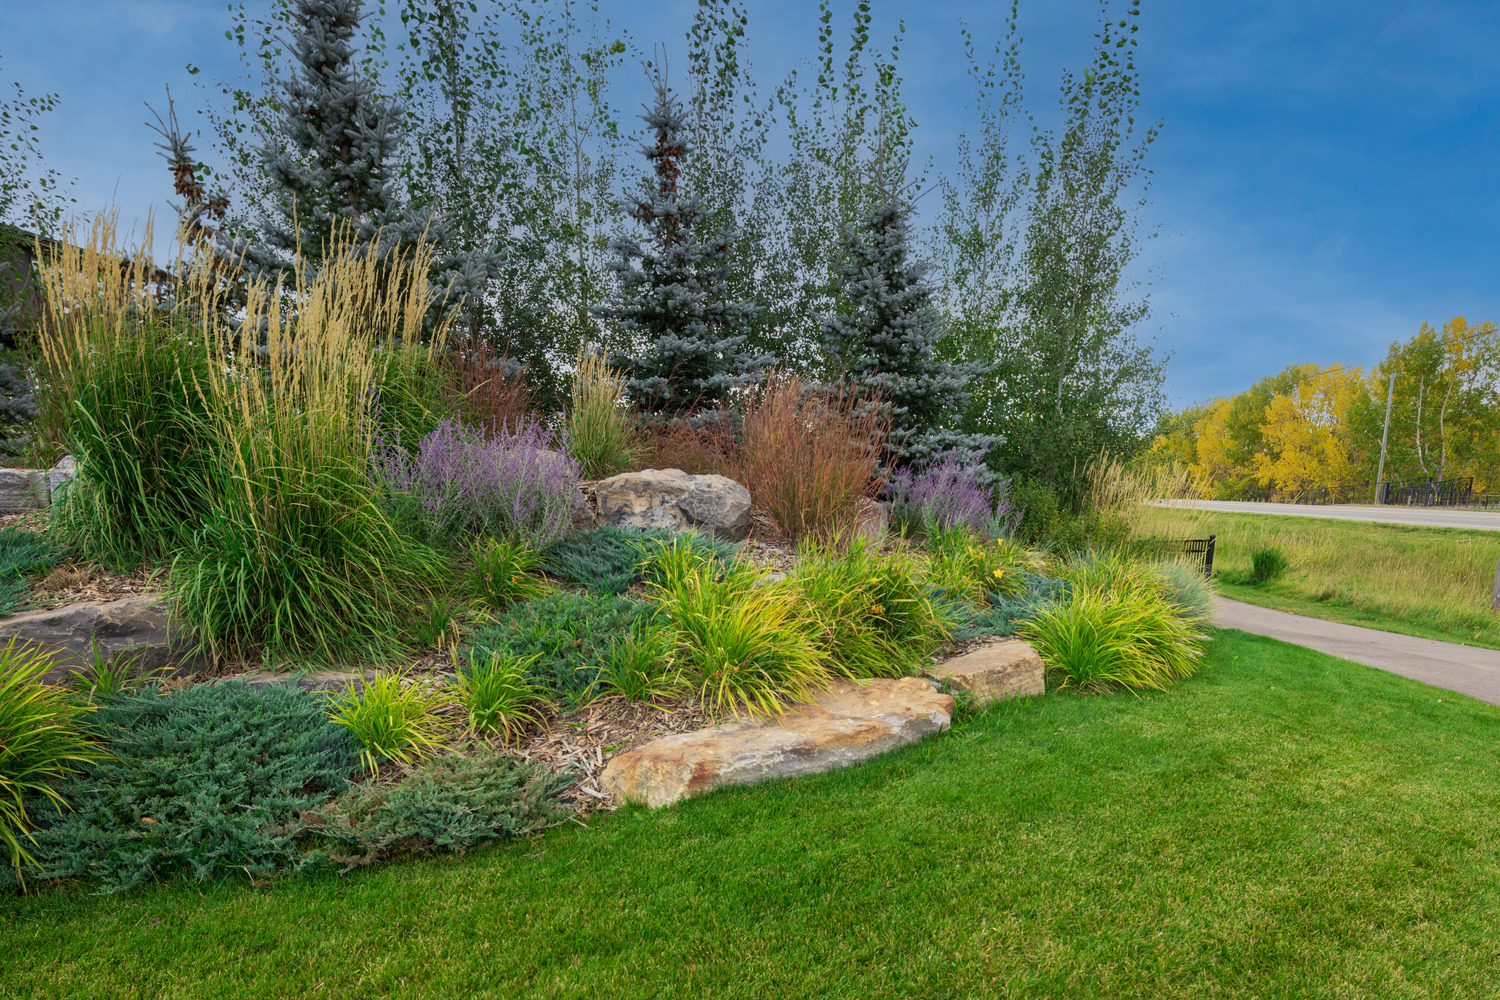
{"x": 1469, "y": 670}
{"x": 1432, "y": 517}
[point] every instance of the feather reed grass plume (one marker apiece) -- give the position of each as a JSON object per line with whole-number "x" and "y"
{"x": 601, "y": 428}
{"x": 236, "y": 441}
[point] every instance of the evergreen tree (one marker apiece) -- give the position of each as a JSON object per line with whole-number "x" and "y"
{"x": 885, "y": 338}
{"x": 330, "y": 163}
{"x": 674, "y": 287}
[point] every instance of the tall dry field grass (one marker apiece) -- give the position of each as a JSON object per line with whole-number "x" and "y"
{"x": 1438, "y": 579}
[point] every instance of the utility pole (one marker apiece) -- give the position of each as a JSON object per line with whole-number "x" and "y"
{"x": 1380, "y": 475}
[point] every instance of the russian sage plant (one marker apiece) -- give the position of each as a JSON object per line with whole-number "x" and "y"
{"x": 951, "y": 492}
{"x": 517, "y": 485}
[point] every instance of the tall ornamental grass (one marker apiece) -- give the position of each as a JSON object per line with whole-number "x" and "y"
{"x": 811, "y": 455}
{"x": 120, "y": 387}
{"x": 242, "y": 447}
{"x": 601, "y": 427}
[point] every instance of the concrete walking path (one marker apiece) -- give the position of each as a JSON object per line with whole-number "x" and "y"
{"x": 1469, "y": 670}
{"x": 1427, "y": 517}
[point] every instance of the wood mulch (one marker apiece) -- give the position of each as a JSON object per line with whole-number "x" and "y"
{"x": 586, "y": 739}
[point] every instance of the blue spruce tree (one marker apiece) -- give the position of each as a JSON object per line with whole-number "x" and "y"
{"x": 330, "y": 170}
{"x": 885, "y": 337}
{"x": 674, "y": 287}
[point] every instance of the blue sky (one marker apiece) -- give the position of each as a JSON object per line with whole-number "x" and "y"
{"x": 1324, "y": 181}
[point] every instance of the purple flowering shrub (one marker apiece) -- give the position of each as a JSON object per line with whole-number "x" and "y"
{"x": 520, "y": 485}
{"x": 951, "y": 491}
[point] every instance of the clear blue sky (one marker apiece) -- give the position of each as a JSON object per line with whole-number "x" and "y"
{"x": 1325, "y": 180}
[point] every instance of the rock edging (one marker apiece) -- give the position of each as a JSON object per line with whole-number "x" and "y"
{"x": 851, "y": 722}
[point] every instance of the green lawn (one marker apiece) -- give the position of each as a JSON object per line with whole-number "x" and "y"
{"x": 1284, "y": 825}
{"x": 1431, "y": 582}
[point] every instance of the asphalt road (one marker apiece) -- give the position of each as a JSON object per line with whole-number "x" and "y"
{"x": 1432, "y": 517}
{"x": 1468, "y": 670}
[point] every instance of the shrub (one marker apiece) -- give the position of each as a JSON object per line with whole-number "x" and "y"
{"x": 393, "y": 719}
{"x": 1267, "y": 565}
{"x": 1006, "y": 612}
{"x": 1130, "y": 640}
{"x": 743, "y": 642}
{"x": 514, "y": 486}
{"x": 566, "y": 637}
{"x": 640, "y": 667}
{"x": 810, "y": 455}
{"x": 701, "y": 445}
{"x": 505, "y": 572}
{"x": 606, "y": 560}
{"x": 495, "y": 693}
{"x": 601, "y": 428}
{"x": 875, "y": 614}
{"x": 192, "y": 783}
{"x": 453, "y": 804}
{"x": 953, "y": 491}
{"x": 489, "y": 391}
{"x": 610, "y": 560}
{"x": 41, "y": 742}
{"x": 23, "y": 554}
{"x": 1186, "y": 587}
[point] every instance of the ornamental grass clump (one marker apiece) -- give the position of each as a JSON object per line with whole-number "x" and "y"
{"x": 742, "y": 642}
{"x": 601, "y": 425}
{"x": 641, "y": 669}
{"x": 506, "y": 572}
{"x": 810, "y": 455}
{"x": 233, "y": 436}
{"x": 393, "y": 718}
{"x": 43, "y": 740}
{"x": 515, "y": 485}
{"x": 968, "y": 569}
{"x": 1101, "y": 642}
{"x": 495, "y": 694}
{"x": 875, "y": 614}
{"x": 119, "y": 387}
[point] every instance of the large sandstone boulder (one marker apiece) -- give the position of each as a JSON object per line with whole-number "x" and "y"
{"x": 133, "y": 626}
{"x": 670, "y": 498}
{"x": 994, "y": 672}
{"x": 849, "y": 723}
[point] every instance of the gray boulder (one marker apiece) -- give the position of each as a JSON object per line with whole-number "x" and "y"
{"x": 133, "y": 626}
{"x": 670, "y": 498}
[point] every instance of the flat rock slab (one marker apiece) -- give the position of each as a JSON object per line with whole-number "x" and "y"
{"x": 994, "y": 672}
{"x": 132, "y": 626}
{"x": 850, "y": 722}
{"x": 314, "y": 680}
{"x": 670, "y": 498}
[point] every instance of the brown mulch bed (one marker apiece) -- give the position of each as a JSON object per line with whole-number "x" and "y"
{"x": 586, "y": 739}
{"x": 74, "y": 583}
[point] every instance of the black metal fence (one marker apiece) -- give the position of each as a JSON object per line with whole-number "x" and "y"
{"x": 1430, "y": 493}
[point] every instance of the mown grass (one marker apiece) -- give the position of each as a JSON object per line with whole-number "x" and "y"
{"x": 1431, "y": 582}
{"x": 1283, "y": 825}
